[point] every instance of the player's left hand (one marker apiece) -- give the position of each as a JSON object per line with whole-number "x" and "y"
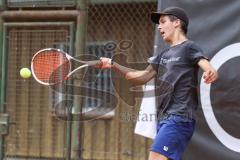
{"x": 210, "y": 76}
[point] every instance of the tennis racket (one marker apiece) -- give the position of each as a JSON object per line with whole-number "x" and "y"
{"x": 52, "y": 66}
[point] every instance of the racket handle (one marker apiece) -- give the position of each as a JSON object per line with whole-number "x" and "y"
{"x": 95, "y": 63}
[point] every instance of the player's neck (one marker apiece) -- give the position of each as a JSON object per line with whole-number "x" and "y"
{"x": 178, "y": 39}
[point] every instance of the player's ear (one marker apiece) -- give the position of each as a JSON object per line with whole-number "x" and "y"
{"x": 177, "y": 23}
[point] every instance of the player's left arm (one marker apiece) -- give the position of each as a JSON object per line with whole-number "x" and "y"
{"x": 210, "y": 75}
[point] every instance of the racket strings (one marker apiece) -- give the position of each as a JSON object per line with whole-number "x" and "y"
{"x": 51, "y": 66}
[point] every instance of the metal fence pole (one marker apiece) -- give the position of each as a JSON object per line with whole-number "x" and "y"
{"x": 2, "y": 79}
{"x": 2, "y": 4}
{"x": 79, "y": 50}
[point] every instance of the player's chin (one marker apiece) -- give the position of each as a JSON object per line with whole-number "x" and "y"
{"x": 166, "y": 39}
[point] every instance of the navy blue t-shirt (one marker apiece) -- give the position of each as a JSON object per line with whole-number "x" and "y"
{"x": 177, "y": 79}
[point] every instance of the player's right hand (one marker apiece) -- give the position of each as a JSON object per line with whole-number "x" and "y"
{"x": 106, "y": 63}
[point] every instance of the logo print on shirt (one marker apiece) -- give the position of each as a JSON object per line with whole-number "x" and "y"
{"x": 168, "y": 60}
{"x": 165, "y": 148}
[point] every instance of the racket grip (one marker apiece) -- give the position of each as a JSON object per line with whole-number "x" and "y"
{"x": 110, "y": 61}
{"x": 94, "y": 63}
{"x": 106, "y": 63}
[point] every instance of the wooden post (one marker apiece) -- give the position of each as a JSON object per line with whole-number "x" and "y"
{"x": 81, "y": 31}
{"x": 2, "y": 74}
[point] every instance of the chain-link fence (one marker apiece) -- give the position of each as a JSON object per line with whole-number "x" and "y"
{"x": 127, "y": 32}
{"x": 115, "y": 24}
{"x": 34, "y": 131}
{"x": 123, "y": 21}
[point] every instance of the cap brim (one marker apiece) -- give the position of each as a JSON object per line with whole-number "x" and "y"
{"x": 155, "y": 16}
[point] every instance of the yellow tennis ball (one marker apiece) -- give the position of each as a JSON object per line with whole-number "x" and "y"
{"x": 25, "y": 73}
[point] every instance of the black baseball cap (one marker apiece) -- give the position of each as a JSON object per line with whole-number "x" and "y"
{"x": 175, "y": 11}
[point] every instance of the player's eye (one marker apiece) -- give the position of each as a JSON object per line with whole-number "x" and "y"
{"x": 162, "y": 21}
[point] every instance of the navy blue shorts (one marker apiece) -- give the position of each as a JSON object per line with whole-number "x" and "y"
{"x": 173, "y": 135}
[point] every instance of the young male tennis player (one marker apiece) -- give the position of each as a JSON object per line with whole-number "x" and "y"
{"x": 182, "y": 60}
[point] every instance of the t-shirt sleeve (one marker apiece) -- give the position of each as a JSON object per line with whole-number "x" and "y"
{"x": 196, "y": 54}
{"x": 154, "y": 62}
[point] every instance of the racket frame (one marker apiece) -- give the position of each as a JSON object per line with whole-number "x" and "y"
{"x": 60, "y": 52}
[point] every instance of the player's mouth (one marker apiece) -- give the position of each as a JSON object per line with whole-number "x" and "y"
{"x": 162, "y": 33}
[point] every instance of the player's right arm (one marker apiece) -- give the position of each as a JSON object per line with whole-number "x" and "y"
{"x": 138, "y": 77}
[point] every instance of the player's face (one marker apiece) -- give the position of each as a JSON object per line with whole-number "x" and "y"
{"x": 166, "y": 28}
